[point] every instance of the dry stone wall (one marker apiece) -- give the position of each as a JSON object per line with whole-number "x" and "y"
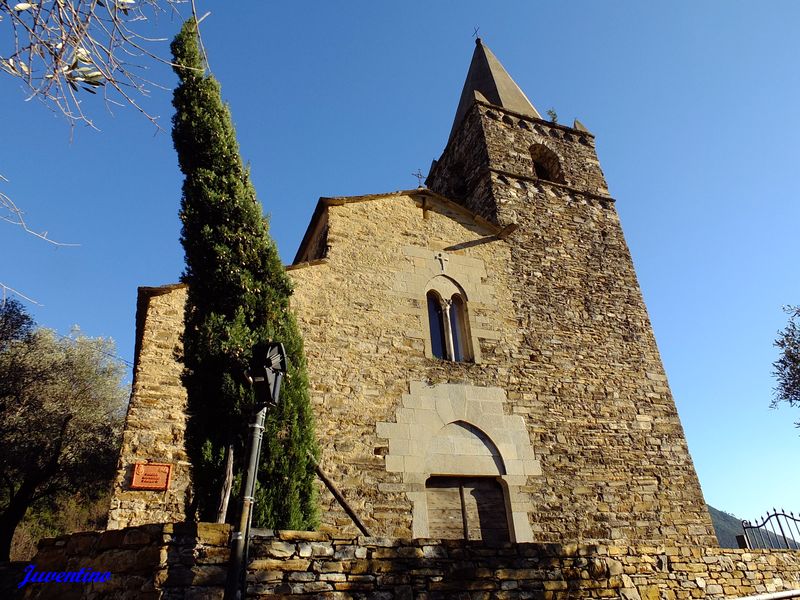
{"x": 295, "y": 563}
{"x": 149, "y": 562}
{"x": 189, "y": 562}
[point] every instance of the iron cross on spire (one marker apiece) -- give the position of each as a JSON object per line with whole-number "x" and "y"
{"x": 475, "y": 32}
{"x": 419, "y": 177}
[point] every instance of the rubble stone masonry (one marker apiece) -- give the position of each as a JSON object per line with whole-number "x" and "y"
{"x": 587, "y": 375}
{"x": 563, "y": 398}
{"x": 156, "y": 421}
{"x": 189, "y": 562}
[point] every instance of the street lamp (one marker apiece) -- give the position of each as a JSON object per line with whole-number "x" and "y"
{"x": 265, "y": 375}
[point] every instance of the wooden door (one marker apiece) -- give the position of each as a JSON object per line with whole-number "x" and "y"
{"x": 471, "y": 508}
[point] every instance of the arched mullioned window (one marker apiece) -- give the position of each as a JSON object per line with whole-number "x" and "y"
{"x": 458, "y": 327}
{"x": 546, "y": 165}
{"x": 448, "y": 322}
{"x": 436, "y": 323}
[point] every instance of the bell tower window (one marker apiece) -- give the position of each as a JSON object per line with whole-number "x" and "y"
{"x": 546, "y": 165}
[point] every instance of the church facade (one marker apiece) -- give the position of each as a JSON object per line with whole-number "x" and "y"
{"x": 481, "y": 359}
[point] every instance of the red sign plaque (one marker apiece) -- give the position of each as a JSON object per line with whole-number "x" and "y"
{"x": 151, "y": 476}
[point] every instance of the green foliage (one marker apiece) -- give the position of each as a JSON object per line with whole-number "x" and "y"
{"x": 15, "y": 324}
{"x": 787, "y": 367}
{"x": 552, "y": 115}
{"x": 64, "y": 513}
{"x": 238, "y": 295}
{"x": 61, "y": 410}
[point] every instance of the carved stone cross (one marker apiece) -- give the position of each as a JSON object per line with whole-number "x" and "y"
{"x": 442, "y": 258}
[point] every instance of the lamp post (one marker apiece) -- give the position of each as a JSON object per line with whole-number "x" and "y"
{"x": 265, "y": 374}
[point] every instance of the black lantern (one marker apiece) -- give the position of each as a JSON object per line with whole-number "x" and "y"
{"x": 267, "y": 367}
{"x": 266, "y": 371}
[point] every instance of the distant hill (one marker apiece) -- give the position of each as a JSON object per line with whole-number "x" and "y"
{"x": 726, "y": 526}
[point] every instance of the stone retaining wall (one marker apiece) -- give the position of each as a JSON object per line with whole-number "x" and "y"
{"x": 188, "y": 561}
{"x": 149, "y": 562}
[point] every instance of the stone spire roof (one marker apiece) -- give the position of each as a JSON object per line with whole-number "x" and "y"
{"x": 488, "y": 81}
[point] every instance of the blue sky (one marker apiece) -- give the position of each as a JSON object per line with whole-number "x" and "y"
{"x": 694, "y": 106}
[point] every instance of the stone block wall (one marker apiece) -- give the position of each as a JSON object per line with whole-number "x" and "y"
{"x": 562, "y": 342}
{"x": 587, "y": 374}
{"x": 148, "y": 562}
{"x": 293, "y": 563}
{"x": 189, "y": 561}
{"x": 363, "y": 315}
{"x": 566, "y": 380}
{"x": 594, "y": 389}
{"x": 156, "y": 421}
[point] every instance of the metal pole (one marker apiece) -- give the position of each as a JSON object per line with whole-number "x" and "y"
{"x": 267, "y": 366}
{"x": 234, "y": 589}
{"x": 276, "y": 392}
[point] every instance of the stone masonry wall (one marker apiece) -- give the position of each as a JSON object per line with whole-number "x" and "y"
{"x": 561, "y": 340}
{"x": 459, "y": 175}
{"x": 562, "y": 343}
{"x": 156, "y": 421}
{"x": 364, "y": 321}
{"x": 190, "y": 562}
{"x": 295, "y": 563}
{"x": 149, "y": 562}
{"x": 588, "y": 376}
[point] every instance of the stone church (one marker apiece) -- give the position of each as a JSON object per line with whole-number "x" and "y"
{"x": 482, "y": 362}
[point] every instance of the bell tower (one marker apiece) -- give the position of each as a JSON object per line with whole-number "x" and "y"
{"x": 498, "y": 134}
{"x": 591, "y": 384}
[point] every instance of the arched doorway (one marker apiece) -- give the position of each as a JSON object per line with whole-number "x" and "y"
{"x": 464, "y": 497}
{"x": 466, "y": 508}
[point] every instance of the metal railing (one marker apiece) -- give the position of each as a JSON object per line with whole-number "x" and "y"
{"x": 778, "y": 529}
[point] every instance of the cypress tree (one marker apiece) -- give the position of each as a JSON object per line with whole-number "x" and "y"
{"x": 238, "y": 296}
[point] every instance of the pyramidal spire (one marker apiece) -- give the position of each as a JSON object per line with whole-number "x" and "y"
{"x": 487, "y": 80}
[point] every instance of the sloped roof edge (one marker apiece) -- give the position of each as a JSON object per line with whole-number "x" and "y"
{"x": 324, "y": 202}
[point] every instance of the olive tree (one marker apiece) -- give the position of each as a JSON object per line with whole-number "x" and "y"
{"x": 787, "y": 367}
{"x": 61, "y": 409}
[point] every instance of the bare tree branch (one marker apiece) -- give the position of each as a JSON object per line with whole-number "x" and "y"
{"x": 6, "y": 290}
{"x": 11, "y": 213}
{"x": 64, "y": 49}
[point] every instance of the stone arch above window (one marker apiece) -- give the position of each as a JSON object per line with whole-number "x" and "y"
{"x": 448, "y": 320}
{"x": 447, "y": 272}
{"x": 546, "y": 165}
